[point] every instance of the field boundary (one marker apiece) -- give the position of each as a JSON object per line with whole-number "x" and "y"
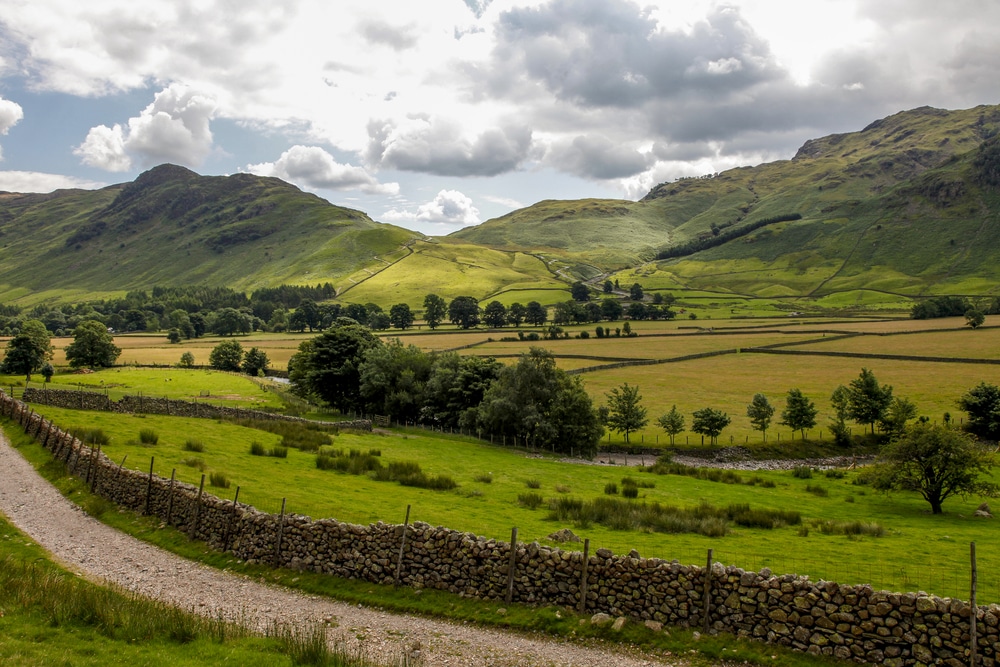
{"x": 870, "y": 355}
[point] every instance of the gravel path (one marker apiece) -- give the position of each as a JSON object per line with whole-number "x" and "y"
{"x": 92, "y": 549}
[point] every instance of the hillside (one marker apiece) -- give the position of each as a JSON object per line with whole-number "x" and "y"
{"x": 173, "y": 227}
{"x": 899, "y": 206}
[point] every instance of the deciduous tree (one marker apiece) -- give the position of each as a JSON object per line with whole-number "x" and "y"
{"x": 463, "y": 312}
{"x": 760, "y": 411}
{"x": 326, "y": 367}
{"x": 625, "y": 410}
{"x": 937, "y": 462}
{"x": 710, "y": 422}
{"x": 495, "y": 314}
{"x": 92, "y": 346}
{"x": 226, "y": 356}
{"x": 435, "y": 310}
{"x": 982, "y": 403}
{"x": 799, "y": 413}
{"x": 867, "y": 400}
{"x": 672, "y": 423}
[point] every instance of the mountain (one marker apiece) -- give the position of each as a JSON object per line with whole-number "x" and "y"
{"x": 903, "y": 205}
{"x": 173, "y": 227}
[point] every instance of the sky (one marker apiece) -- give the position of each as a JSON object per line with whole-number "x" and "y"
{"x": 440, "y": 114}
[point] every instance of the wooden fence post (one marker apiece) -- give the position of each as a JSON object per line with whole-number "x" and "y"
{"x": 149, "y": 486}
{"x": 229, "y": 524}
{"x": 281, "y": 530}
{"x": 973, "y": 608}
{"x": 97, "y": 469}
{"x": 708, "y": 590}
{"x": 402, "y": 544}
{"x": 511, "y": 565}
{"x": 170, "y": 502}
{"x": 583, "y": 576}
{"x": 197, "y": 509}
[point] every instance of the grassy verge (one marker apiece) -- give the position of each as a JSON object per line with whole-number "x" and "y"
{"x": 50, "y": 616}
{"x": 550, "y": 620}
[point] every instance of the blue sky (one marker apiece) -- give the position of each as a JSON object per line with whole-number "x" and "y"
{"x": 442, "y": 114}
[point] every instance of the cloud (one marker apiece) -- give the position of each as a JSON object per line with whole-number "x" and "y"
{"x": 314, "y": 168}
{"x": 438, "y": 146}
{"x": 33, "y": 181}
{"x": 384, "y": 34}
{"x": 174, "y": 128}
{"x": 596, "y": 157}
{"x": 10, "y": 114}
{"x": 449, "y": 207}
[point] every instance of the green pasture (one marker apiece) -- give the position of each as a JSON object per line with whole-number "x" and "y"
{"x": 205, "y": 386}
{"x": 982, "y": 343}
{"x": 936, "y": 546}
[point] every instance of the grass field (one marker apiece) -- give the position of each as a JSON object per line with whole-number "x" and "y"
{"x": 936, "y": 545}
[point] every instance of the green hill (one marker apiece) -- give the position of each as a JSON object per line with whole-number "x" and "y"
{"x": 173, "y": 227}
{"x": 900, "y": 206}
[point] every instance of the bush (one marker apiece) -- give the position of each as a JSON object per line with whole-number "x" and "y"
{"x": 193, "y": 446}
{"x": 257, "y": 449}
{"x": 91, "y": 436}
{"x": 530, "y": 500}
{"x": 817, "y": 490}
{"x": 802, "y": 472}
{"x": 278, "y": 452}
{"x": 485, "y": 479}
{"x": 533, "y": 484}
{"x": 834, "y": 474}
{"x": 219, "y": 479}
{"x": 630, "y": 491}
{"x": 742, "y": 515}
{"x": 194, "y": 462}
{"x": 611, "y": 489}
{"x": 324, "y": 462}
{"x": 148, "y": 436}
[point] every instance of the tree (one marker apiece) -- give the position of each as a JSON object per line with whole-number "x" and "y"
{"x": 974, "y": 318}
{"x": 607, "y": 287}
{"x": 456, "y": 387}
{"x": 635, "y": 292}
{"x": 255, "y": 362}
{"x": 174, "y": 336}
{"x": 625, "y": 414}
{"x": 434, "y": 310}
{"x": 48, "y": 371}
{"x": 327, "y": 367}
{"x": 580, "y": 292}
{"x": 840, "y": 401}
{"x": 799, "y": 413}
{"x": 28, "y": 351}
{"x": 535, "y": 314}
{"x": 672, "y": 422}
{"x": 308, "y": 313}
{"x": 495, "y": 314}
{"x": 378, "y": 321}
{"x": 393, "y": 378}
{"x": 935, "y": 461}
{"x": 229, "y": 321}
{"x": 463, "y": 312}
{"x": 710, "y": 422}
{"x": 401, "y": 316}
{"x": 611, "y": 309}
{"x": 982, "y": 403}
{"x": 536, "y": 403}
{"x": 866, "y": 400}
{"x": 516, "y": 313}
{"x": 226, "y": 356}
{"x": 760, "y": 411}
{"x": 894, "y": 420}
{"x": 187, "y": 360}
{"x": 92, "y": 346}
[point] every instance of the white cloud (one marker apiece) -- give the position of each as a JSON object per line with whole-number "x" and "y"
{"x": 174, "y": 128}
{"x": 312, "y": 167}
{"x": 33, "y": 181}
{"x": 10, "y": 114}
{"x": 449, "y": 207}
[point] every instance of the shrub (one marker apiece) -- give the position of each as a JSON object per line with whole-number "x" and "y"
{"x": 802, "y": 472}
{"x": 194, "y": 462}
{"x": 834, "y": 474}
{"x": 611, "y": 489}
{"x": 278, "y": 452}
{"x": 257, "y": 449}
{"x": 630, "y": 491}
{"x": 193, "y": 446}
{"x": 533, "y": 484}
{"x": 375, "y": 452}
{"x": 91, "y": 436}
{"x": 530, "y": 500}
{"x": 324, "y": 462}
{"x": 817, "y": 490}
{"x": 219, "y": 479}
{"x": 742, "y": 515}
{"x": 148, "y": 436}
{"x": 486, "y": 478}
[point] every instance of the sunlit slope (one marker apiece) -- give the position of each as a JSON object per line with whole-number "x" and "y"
{"x": 899, "y": 206}
{"x": 173, "y": 227}
{"x": 451, "y": 268}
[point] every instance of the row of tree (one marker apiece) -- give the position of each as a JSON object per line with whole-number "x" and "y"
{"x": 531, "y": 402}
{"x": 30, "y": 351}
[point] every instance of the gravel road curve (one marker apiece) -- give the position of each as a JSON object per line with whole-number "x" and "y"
{"x": 92, "y": 549}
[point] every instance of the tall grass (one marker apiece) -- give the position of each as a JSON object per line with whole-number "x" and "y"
{"x": 148, "y": 436}
{"x": 306, "y": 437}
{"x": 667, "y": 467}
{"x": 406, "y": 473}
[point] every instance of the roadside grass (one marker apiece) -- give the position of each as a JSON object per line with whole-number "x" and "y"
{"x": 935, "y": 545}
{"x": 52, "y": 616}
{"x": 704, "y": 651}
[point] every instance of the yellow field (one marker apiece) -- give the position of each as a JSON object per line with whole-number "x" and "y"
{"x": 969, "y": 344}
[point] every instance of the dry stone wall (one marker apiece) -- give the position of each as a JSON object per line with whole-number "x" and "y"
{"x": 145, "y": 405}
{"x": 849, "y": 622}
